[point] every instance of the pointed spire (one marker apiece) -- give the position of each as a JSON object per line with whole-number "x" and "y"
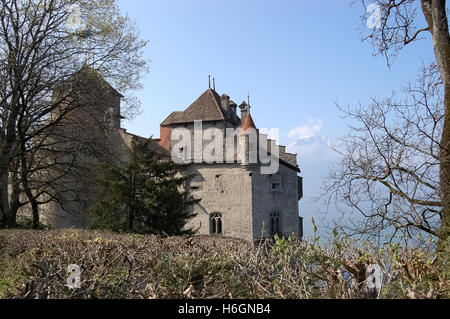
{"x": 248, "y": 123}
{"x": 214, "y": 84}
{"x": 209, "y": 80}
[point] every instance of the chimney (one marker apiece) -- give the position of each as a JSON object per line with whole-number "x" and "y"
{"x": 226, "y": 103}
{"x": 233, "y": 108}
{"x": 245, "y": 110}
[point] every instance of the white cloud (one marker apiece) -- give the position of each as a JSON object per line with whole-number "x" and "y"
{"x": 312, "y": 148}
{"x": 307, "y": 142}
{"x": 305, "y": 131}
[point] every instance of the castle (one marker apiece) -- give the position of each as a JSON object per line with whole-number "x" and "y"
{"x": 238, "y": 199}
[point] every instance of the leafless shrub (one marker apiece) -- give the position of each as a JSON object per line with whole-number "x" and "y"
{"x": 34, "y": 265}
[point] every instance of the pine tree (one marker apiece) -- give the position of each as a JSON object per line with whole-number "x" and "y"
{"x": 146, "y": 195}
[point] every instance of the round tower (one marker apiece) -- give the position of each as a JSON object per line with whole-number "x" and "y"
{"x": 248, "y": 142}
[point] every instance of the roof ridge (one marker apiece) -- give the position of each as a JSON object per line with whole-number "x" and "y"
{"x": 207, "y": 107}
{"x": 217, "y": 103}
{"x": 86, "y": 71}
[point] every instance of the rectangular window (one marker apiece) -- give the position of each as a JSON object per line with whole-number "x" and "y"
{"x": 276, "y": 187}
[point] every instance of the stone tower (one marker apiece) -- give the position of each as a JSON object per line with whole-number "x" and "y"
{"x": 237, "y": 200}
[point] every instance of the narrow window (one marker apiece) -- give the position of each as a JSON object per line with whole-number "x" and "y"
{"x": 184, "y": 154}
{"x": 275, "y": 224}
{"x": 216, "y": 224}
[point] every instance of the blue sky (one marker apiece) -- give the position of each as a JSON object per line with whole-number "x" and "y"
{"x": 296, "y": 58}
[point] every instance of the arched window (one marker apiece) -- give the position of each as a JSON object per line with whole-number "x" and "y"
{"x": 215, "y": 221}
{"x": 275, "y": 224}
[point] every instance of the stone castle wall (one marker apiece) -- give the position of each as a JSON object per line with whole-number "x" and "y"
{"x": 224, "y": 189}
{"x": 283, "y": 200}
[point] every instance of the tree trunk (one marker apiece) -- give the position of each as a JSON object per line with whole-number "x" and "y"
{"x": 4, "y": 204}
{"x": 132, "y": 199}
{"x": 31, "y": 199}
{"x": 15, "y": 195}
{"x": 444, "y": 235}
{"x": 35, "y": 210}
{"x": 24, "y": 171}
{"x": 436, "y": 16}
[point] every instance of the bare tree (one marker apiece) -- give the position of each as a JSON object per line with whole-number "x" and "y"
{"x": 399, "y": 26}
{"x": 54, "y": 160}
{"x": 389, "y": 170}
{"x": 40, "y": 53}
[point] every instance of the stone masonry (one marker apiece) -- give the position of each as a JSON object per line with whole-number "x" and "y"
{"x": 237, "y": 200}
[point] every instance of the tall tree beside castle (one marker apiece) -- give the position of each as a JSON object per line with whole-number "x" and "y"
{"x": 43, "y": 46}
{"x": 395, "y": 169}
{"x": 145, "y": 195}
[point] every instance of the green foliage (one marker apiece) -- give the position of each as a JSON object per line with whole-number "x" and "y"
{"x": 146, "y": 195}
{"x": 26, "y": 223}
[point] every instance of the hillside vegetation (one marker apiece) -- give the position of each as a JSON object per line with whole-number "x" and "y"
{"x": 33, "y": 264}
